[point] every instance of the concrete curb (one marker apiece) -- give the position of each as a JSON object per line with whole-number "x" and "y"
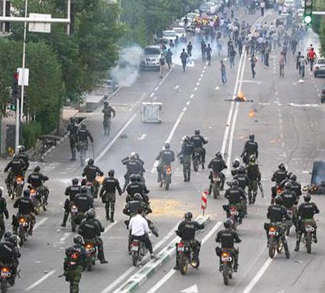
{"x": 42, "y": 158}
{"x": 150, "y": 268}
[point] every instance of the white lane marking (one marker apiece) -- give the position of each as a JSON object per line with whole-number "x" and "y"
{"x": 110, "y": 226}
{"x": 172, "y": 132}
{"x": 184, "y": 109}
{"x": 155, "y": 98}
{"x": 156, "y": 88}
{"x": 217, "y": 88}
{"x": 143, "y": 136}
{"x": 189, "y": 102}
{"x": 172, "y": 271}
{"x": 115, "y": 138}
{"x": 197, "y": 83}
{"x": 195, "y": 89}
{"x": 160, "y": 83}
{"x": 40, "y": 280}
{"x": 201, "y": 75}
{"x": 200, "y": 79}
{"x": 154, "y": 167}
{"x": 176, "y": 87}
{"x": 258, "y": 276}
{"x": 191, "y": 96}
{"x": 130, "y": 270}
{"x": 64, "y": 238}
{"x": 41, "y": 222}
{"x": 151, "y": 95}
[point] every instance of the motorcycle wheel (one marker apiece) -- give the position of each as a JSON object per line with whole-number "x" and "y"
{"x": 36, "y": 210}
{"x": 166, "y": 185}
{"x": 73, "y": 226}
{"x": 195, "y": 263}
{"x": 89, "y": 265}
{"x": 288, "y": 230}
{"x": 225, "y": 274}
{"x": 272, "y": 249}
{"x": 279, "y": 247}
{"x": 183, "y": 265}
{"x": 308, "y": 243}
{"x": 195, "y": 165}
{"x": 135, "y": 257}
{"x": 19, "y": 190}
{"x": 3, "y": 285}
{"x": 216, "y": 190}
{"x": 21, "y": 235}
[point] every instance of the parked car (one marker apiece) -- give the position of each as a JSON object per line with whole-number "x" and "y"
{"x": 180, "y": 31}
{"x": 319, "y": 67}
{"x": 169, "y": 35}
{"x": 150, "y": 58}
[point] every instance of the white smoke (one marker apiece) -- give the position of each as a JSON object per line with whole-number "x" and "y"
{"x": 310, "y": 38}
{"x": 127, "y": 70}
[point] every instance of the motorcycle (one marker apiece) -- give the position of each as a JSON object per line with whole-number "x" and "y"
{"x": 23, "y": 226}
{"x": 6, "y": 278}
{"x": 167, "y": 176}
{"x": 73, "y": 215}
{"x": 197, "y": 159}
{"x": 233, "y": 214}
{"x": 18, "y": 185}
{"x": 38, "y": 200}
{"x": 91, "y": 255}
{"x": 91, "y": 188}
{"x": 138, "y": 250}
{"x": 186, "y": 256}
{"x": 308, "y": 231}
{"x": 275, "y": 242}
{"x": 289, "y": 222}
{"x": 216, "y": 184}
{"x": 227, "y": 266}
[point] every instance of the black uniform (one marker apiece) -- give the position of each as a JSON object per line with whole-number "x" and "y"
{"x": 277, "y": 177}
{"x": 23, "y": 156}
{"x": 91, "y": 171}
{"x": 73, "y": 129}
{"x": 16, "y": 167}
{"x": 25, "y": 208}
{"x": 133, "y": 188}
{"x": 165, "y": 158}
{"x": 250, "y": 148}
{"x": 218, "y": 164}
{"x": 83, "y": 202}
{"x": 70, "y": 191}
{"x": 199, "y": 141}
{"x": 242, "y": 180}
{"x": 3, "y": 212}
{"x": 132, "y": 167}
{"x": 288, "y": 199}
{"x": 185, "y": 158}
{"x": 9, "y": 254}
{"x": 108, "y": 195}
{"x": 36, "y": 180}
{"x": 236, "y": 197}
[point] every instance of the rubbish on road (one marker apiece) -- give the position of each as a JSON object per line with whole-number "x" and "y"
{"x": 151, "y": 112}
{"x": 251, "y": 113}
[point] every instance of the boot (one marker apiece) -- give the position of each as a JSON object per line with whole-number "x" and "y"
{"x": 210, "y": 189}
{"x": 235, "y": 267}
{"x": 315, "y": 236}
{"x": 65, "y": 219}
{"x": 189, "y": 176}
{"x": 254, "y": 197}
{"x": 286, "y": 248}
{"x": 112, "y": 217}
{"x": 250, "y": 198}
{"x": 185, "y": 176}
{"x": 297, "y": 246}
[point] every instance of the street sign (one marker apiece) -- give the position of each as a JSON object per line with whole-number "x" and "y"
{"x": 40, "y": 27}
{"x": 192, "y": 289}
{"x": 23, "y": 76}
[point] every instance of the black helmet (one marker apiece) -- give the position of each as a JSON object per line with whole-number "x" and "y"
{"x": 307, "y": 197}
{"x": 227, "y": 223}
{"x": 289, "y": 174}
{"x": 252, "y": 159}
{"x": 236, "y": 163}
{"x": 1, "y": 191}
{"x": 84, "y": 189}
{"x": 14, "y": 239}
{"x": 90, "y": 214}
{"x": 281, "y": 166}
{"x": 75, "y": 181}
{"x": 186, "y": 138}
{"x": 90, "y": 162}
{"x": 7, "y": 235}
{"x": 83, "y": 125}
{"x": 197, "y": 132}
{"x": 21, "y": 148}
{"x": 137, "y": 196}
{"x": 105, "y": 103}
{"x": 138, "y": 177}
{"x": 111, "y": 172}
{"x": 133, "y": 155}
{"x": 133, "y": 178}
{"x": 188, "y": 216}
{"x": 241, "y": 170}
{"x": 218, "y": 155}
{"x": 251, "y": 137}
{"x": 37, "y": 169}
{"x": 287, "y": 186}
{"x": 293, "y": 177}
{"x": 167, "y": 145}
{"x": 278, "y": 199}
{"x": 235, "y": 182}
{"x": 78, "y": 239}
{"x": 26, "y": 193}
{"x": 15, "y": 157}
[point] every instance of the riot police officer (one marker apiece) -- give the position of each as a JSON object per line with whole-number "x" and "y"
{"x": 165, "y": 158}
{"x": 277, "y": 177}
{"x": 133, "y": 166}
{"x": 199, "y": 141}
{"x": 236, "y": 197}
{"x": 3, "y": 213}
{"x": 254, "y": 176}
{"x": 23, "y": 156}
{"x": 16, "y": 167}
{"x": 91, "y": 171}
{"x": 36, "y": 180}
{"x": 250, "y": 148}
{"x": 218, "y": 164}
{"x": 73, "y": 129}
{"x": 83, "y": 202}
{"x": 185, "y": 156}
{"x": 82, "y": 137}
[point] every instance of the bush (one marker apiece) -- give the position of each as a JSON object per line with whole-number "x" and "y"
{"x": 31, "y": 132}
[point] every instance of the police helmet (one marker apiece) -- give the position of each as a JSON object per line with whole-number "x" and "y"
{"x": 75, "y": 181}
{"x": 236, "y": 163}
{"x": 235, "y": 182}
{"x": 111, "y": 172}
{"x": 137, "y": 196}
{"x": 133, "y": 178}
{"x": 252, "y": 159}
{"x": 278, "y": 199}
{"x": 21, "y": 148}
{"x": 188, "y": 216}
{"x": 91, "y": 162}
{"x": 138, "y": 177}
{"x": 227, "y": 223}
{"x": 26, "y": 193}
{"x": 78, "y": 239}
{"x": 218, "y": 155}
{"x": 15, "y": 157}
{"x": 37, "y": 169}
{"x": 307, "y": 197}
{"x": 14, "y": 239}
{"x": 293, "y": 177}
{"x": 281, "y": 166}
{"x": 133, "y": 156}
{"x": 84, "y": 189}
{"x": 241, "y": 170}
{"x": 167, "y": 146}
{"x": 197, "y": 132}
{"x": 251, "y": 137}
{"x": 90, "y": 214}
{"x": 186, "y": 138}
{"x": 105, "y": 104}
{"x": 7, "y": 235}
{"x": 289, "y": 174}
{"x": 287, "y": 186}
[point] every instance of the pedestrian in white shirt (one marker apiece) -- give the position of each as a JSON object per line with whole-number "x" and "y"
{"x": 139, "y": 229}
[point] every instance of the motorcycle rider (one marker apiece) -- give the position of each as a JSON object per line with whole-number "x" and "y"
{"x": 289, "y": 200}
{"x": 306, "y": 212}
{"x": 36, "y": 179}
{"x": 139, "y": 229}
{"x": 90, "y": 229}
{"x": 133, "y": 166}
{"x": 236, "y": 197}
{"x": 9, "y": 254}
{"x": 73, "y": 129}
{"x": 186, "y": 231}
{"x": 185, "y": 157}
{"x": 146, "y": 191}
{"x": 91, "y": 171}
{"x": 133, "y": 187}
{"x": 250, "y": 148}
{"x": 227, "y": 238}
{"x": 108, "y": 194}
{"x": 243, "y": 182}
{"x": 199, "y": 141}
{"x": 74, "y": 263}
{"x": 165, "y": 158}
{"x": 16, "y": 167}
{"x": 109, "y": 113}
{"x": 235, "y": 166}
{"x": 254, "y": 176}
{"x": 83, "y": 202}
{"x": 277, "y": 177}
{"x": 82, "y": 138}
{"x": 25, "y": 208}
{"x": 3, "y": 212}
{"x": 295, "y": 186}
{"x": 23, "y": 156}
{"x": 276, "y": 213}
{"x": 217, "y": 164}
{"x": 70, "y": 191}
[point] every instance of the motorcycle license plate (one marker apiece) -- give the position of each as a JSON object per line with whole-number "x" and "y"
{"x": 180, "y": 248}
{"x": 74, "y": 210}
{"x": 272, "y": 233}
{"x": 226, "y": 258}
{"x": 233, "y": 213}
{"x": 309, "y": 228}
{"x": 20, "y": 182}
{"x": 135, "y": 248}
{"x": 5, "y": 274}
{"x": 33, "y": 194}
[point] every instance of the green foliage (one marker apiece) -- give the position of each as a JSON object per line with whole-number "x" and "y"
{"x": 31, "y": 132}
{"x": 322, "y": 36}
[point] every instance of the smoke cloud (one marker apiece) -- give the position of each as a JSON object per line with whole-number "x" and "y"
{"x": 127, "y": 69}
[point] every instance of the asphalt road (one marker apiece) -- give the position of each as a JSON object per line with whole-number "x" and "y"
{"x": 285, "y": 116}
